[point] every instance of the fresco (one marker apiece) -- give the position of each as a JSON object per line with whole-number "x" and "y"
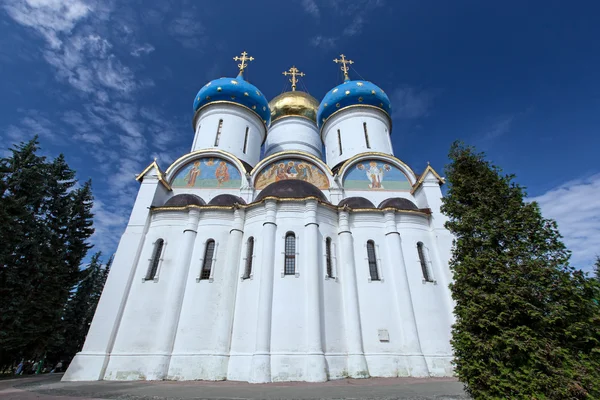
{"x": 208, "y": 173}
{"x": 375, "y": 175}
{"x": 291, "y": 169}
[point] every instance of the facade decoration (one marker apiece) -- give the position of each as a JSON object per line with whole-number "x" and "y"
{"x": 208, "y": 172}
{"x": 374, "y": 174}
{"x": 291, "y": 169}
{"x": 250, "y": 259}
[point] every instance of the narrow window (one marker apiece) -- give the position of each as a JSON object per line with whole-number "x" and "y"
{"x": 249, "y": 255}
{"x": 290, "y": 254}
{"x": 329, "y": 265}
{"x": 426, "y": 274}
{"x": 219, "y": 128}
{"x": 153, "y": 268}
{"x": 208, "y": 260}
{"x": 246, "y": 140}
{"x": 372, "y": 261}
{"x": 340, "y": 141}
{"x": 366, "y": 135}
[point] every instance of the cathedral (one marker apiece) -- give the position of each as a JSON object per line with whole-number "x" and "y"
{"x": 289, "y": 244}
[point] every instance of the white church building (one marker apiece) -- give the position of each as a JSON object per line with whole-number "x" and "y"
{"x": 289, "y": 244}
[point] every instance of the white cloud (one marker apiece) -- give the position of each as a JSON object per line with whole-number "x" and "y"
{"x": 143, "y": 49}
{"x": 49, "y": 17}
{"x": 411, "y": 103}
{"x": 575, "y": 207}
{"x": 500, "y": 127}
{"x": 355, "y": 26}
{"x": 187, "y": 30}
{"x": 324, "y": 42}
{"x": 311, "y": 7}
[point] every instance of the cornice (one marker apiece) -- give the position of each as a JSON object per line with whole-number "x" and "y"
{"x": 282, "y": 154}
{"x": 357, "y": 157}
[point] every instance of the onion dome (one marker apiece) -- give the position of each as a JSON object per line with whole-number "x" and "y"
{"x": 237, "y": 91}
{"x": 226, "y": 200}
{"x": 294, "y": 104}
{"x": 356, "y": 202}
{"x": 353, "y": 93}
{"x": 185, "y": 199}
{"x": 291, "y": 188}
{"x": 398, "y": 203}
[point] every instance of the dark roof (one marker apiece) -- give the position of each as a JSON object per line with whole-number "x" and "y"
{"x": 399, "y": 203}
{"x": 291, "y": 188}
{"x": 226, "y": 200}
{"x": 184, "y": 199}
{"x": 356, "y": 202}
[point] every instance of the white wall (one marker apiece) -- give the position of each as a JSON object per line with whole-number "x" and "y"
{"x": 235, "y": 121}
{"x": 350, "y": 124}
{"x": 293, "y": 133}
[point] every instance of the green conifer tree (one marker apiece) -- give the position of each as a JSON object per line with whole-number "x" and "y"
{"x": 526, "y": 323}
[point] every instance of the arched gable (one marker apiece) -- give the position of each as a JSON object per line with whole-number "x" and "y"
{"x": 291, "y": 165}
{"x": 206, "y": 169}
{"x": 376, "y": 171}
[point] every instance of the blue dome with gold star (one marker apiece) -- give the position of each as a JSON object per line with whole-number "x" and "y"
{"x": 352, "y": 93}
{"x": 237, "y": 91}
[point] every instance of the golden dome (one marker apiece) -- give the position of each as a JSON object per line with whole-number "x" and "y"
{"x": 296, "y": 104}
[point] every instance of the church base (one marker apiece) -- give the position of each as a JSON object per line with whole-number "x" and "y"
{"x": 133, "y": 367}
{"x": 316, "y": 368}
{"x": 86, "y": 367}
{"x": 206, "y": 367}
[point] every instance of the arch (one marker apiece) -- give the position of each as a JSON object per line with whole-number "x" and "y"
{"x": 398, "y": 203}
{"x": 184, "y": 199}
{"x": 226, "y": 200}
{"x": 184, "y": 160}
{"x": 294, "y": 189}
{"x": 208, "y": 173}
{"x": 318, "y": 173}
{"x": 356, "y": 202}
{"x": 386, "y": 158}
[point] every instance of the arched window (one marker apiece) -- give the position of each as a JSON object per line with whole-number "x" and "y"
{"x": 329, "y": 263}
{"x": 423, "y": 261}
{"x": 154, "y": 261}
{"x": 219, "y": 129}
{"x": 249, "y": 256}
{"x": 366, "y": 135}
{"x": 246, "y": 140}
{"x": 290, "y": 254}
{"x": 340, "y": 140}
{"x": 372, "y": 261}
{"x": 208, "y": 259}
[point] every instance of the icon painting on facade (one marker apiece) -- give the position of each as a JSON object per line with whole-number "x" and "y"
{"x": 375, "y": 175}
{"x": 291, "y": 169}
{"x": 208, "y": 173}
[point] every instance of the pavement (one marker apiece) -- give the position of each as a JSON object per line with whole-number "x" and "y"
{"x": 49, "y": 387}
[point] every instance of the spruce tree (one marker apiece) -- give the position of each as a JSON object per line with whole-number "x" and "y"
{"x": 526, "y": 323}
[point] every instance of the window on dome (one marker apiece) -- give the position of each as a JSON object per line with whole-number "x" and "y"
{"x": 155, "y": 260}
{"x": 366, "y": 135}
{"x": 209, "y": 253}
{"x": 423, "y": 261}
{"x": 249, "y": 257}
{"x": 329, "y": 263}
{"x": 372, "y": 261}
{"x": 219, "y": 129}
{"x": 290, "y": 254}
{"x": 246, "y": 140}
{"x": 340, "y": 140}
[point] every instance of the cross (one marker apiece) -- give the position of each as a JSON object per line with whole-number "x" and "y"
{"x": 243, "y": 59}
{"x": 345, "y": 62}
{"x": 293, "y": 72}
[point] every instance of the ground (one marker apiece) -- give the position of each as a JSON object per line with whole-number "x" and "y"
{"x": 49, "y": 387}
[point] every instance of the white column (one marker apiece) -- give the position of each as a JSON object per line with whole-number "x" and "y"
{"x": 261, "y": 360}
{"x": 176, "y": 290}
{"x": 316, "y": 367}
{"x": 224, "y": 324}
{"x": 417, "y": 364}
{"x": 357, "y": 364}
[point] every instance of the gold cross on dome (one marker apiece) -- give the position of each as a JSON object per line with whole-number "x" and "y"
{"x": 345, "y": 62}
{"x": 293, "y": 72}
{"x": 244, "y": 58}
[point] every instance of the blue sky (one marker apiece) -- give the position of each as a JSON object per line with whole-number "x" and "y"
{"x": 111, "y": 83}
